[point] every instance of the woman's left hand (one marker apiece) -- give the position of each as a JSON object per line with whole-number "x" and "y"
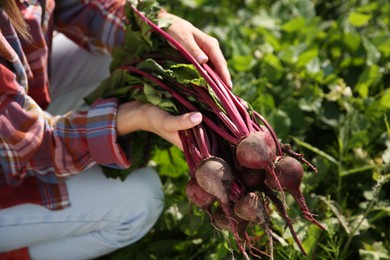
{"x": 135, "y": 115}
{"x": 200, "y": 45}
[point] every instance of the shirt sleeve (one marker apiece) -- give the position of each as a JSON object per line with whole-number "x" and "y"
{"x": 93, "y": 24}
{"x": 35, "y": 143}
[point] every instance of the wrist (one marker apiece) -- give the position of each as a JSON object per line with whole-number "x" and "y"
{"x": 130, "y": 117}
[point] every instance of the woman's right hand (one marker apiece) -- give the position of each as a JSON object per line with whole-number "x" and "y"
{"x": 200, "y": 45}
{"x": 138, "y": 116}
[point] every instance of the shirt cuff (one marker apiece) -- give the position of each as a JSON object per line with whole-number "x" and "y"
{"x": 101, "y": 134}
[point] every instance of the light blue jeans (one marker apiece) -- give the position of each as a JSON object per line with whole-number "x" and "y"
{"x": 106, "y": 214}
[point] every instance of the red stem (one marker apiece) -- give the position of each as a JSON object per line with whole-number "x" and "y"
{"x": 183, "y": 101}
{"x": 185, "y": 140}
{"x": 228, "y": 105}
{"x": 200, "y": 139}
{"x": 230, "y": 125}
{"x": 282, "y": 211}
{"x": 234, "y": 99}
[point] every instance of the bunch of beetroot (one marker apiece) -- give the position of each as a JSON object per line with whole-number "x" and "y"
{"x": 238, "y": 167}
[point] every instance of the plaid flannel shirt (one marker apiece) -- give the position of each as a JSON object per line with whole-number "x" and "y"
{"x": 37, "y": 150}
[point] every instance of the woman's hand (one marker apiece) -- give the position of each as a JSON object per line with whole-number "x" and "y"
{"x": 202, "y": 46}
{"x": 135, "y": 115}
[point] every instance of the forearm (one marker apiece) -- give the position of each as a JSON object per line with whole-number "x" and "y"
{"x": 34, "y": 142}
{"x": 96, "y": 26}
{"x": 79, "y": 140}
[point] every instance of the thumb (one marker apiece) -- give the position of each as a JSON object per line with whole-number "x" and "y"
{"x": 186, "y": 121}
{"x": 176, "y": 123}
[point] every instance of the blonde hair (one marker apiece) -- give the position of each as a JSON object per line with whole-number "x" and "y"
{"x": 12, "y": 10}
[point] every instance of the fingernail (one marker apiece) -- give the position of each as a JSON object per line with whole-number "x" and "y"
{"x": 196, "y": 118}
{"x": 230, "y": 83}
{"x": 201, "y": 58}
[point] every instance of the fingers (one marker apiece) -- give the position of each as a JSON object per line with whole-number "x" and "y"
{"x": 167, "y": 125}
{"x": 213, "y": 52}
{"x": 205, "y": 48}
{"x": 173, "y": 124}
{"x": 193, "y": 47}
{"x": 182, "y": 122}
{"x": 200, "y": 45}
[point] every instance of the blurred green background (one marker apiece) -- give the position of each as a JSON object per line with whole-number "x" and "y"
{"x": 319, "y": 72}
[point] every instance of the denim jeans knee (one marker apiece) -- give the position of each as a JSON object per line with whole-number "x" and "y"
{"x": 138, "y": 208}
{"x": 105, "y": 215}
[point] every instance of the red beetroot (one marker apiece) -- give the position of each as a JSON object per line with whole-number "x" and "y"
{"x": 199, "y": 196}
{"x": 249, "y": 208}
{"x": 253, "y": 179}
{"x": 221, "y": 221}
{"x": 215, "y": 176}
{"x": 289, "y": 172}
{"x": 256, "y": 151}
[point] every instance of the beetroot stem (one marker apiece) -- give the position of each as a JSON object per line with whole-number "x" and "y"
{"x": 298, "y": 156}
{"x": 226, "y": 100}
{"x": 199, "y": 136}
{"x": 230, "y": 125}
{"x": 183, "y": 101}
{"x": 233, "y": 99}
{"x": 226, "y": 209}
{"x": 267, "y": 228}
{"x": 282, "y": 211}
{"x": 187, "y": 151}
{"x": 228, "y": 105}
{"x": 299, "y": 198}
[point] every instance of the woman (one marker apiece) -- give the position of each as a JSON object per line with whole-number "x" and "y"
{"x": 54, "y": 201}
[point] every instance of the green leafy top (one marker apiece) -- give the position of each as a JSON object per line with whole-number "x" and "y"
{"x": 149, "y": 52}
